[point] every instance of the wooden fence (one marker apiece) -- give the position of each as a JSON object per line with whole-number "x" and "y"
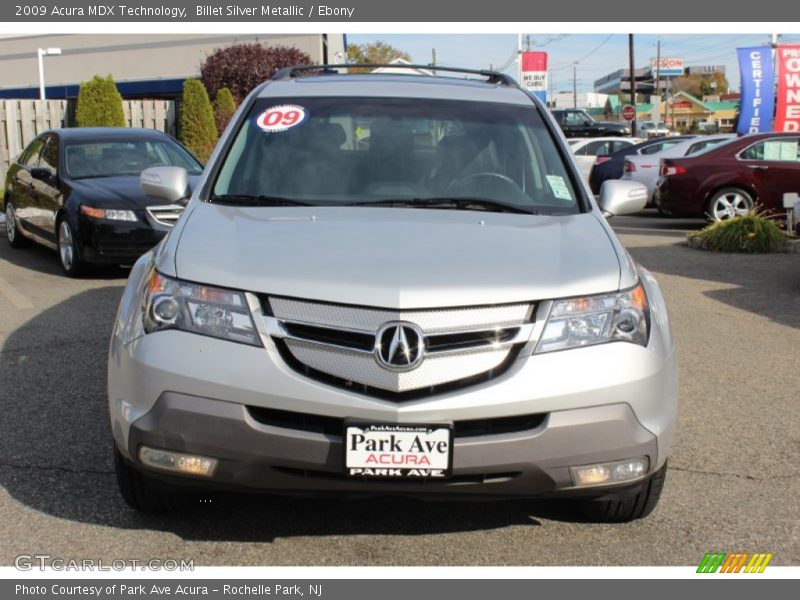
{"x": 22, "y": 120}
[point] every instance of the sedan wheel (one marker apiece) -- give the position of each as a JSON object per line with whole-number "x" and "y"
{"x": 68, "y": 249}
{"x": 15, "y": 238}
{"x": 729, "y": 203}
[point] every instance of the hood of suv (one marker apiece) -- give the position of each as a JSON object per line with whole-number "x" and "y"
{"x": 396, "y": 257}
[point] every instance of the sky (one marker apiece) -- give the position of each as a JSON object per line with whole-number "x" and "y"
{"x": 596, "y": 54}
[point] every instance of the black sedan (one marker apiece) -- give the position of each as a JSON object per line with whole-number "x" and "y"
{"x": 612, "y": 165}
{"x": 77, "y": 192}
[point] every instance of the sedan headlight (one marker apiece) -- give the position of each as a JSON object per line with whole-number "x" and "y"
{"x": 621, "y": 316}
{"x": 112, "y": 214}
{"x": 220, "y": 313}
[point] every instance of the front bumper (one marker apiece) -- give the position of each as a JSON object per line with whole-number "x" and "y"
{"x": 117, "y": 242}
{"x": 257, "y": 454}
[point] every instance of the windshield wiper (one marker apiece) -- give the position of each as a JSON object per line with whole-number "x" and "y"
{"x": 483, "y": 204}
{"x": 247, "y": 200}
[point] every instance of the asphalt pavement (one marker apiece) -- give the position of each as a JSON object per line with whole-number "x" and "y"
{"x": 733, "y": 482}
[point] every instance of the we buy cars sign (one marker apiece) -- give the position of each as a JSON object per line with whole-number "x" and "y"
{"x": 534, "y": 73}
{"x": 787, "y": 117}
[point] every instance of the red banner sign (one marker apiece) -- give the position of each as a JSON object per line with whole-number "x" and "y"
{"x": 534, "y": 61}
{"x": 787, "y": 117}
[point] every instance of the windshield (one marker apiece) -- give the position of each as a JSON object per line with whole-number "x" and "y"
{"x": 351, "y": 151}
{"x": 125, "y": 157}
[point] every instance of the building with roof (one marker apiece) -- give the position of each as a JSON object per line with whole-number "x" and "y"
{"x": 142, "y": 65}
{"x": 619, "y": 81}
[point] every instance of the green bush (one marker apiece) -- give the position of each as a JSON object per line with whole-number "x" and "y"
{"x": 99, "y": 104}
{"x": 198, "y": 132}
{"x": 752, "y": 233}
{"x": 224, "y": 107}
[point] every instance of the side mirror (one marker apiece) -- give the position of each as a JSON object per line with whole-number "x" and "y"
{"x": 41, "y": 173}
{"x": 618, "y": 197}
{"x": 168, "y": 183}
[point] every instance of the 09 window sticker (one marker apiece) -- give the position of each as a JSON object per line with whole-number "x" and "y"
{"x": 280, "y": 118}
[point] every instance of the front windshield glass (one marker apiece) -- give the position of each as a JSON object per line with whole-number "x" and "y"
{"x": 114, "y": 158}
{"x": 327, "y": 151}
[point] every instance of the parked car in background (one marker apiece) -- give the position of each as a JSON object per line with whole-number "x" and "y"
{"x": 77, "y": 191}
{"x": 644, "y": 167}
{"x": 651, "y": 129}
{"x": 731, "y": 179}
{"x": 578, "y": 123}
{"x": 447, "y": 316}
{"x": 612, "y": 166}
{"x": 587, "y": 150}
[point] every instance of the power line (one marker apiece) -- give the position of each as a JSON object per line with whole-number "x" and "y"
{"x": 580, "y": 60}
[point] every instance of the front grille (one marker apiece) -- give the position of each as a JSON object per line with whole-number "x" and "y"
{"x": 334, "y": 426}
{"x": 338, "y": 344}
{"x": 166, "y": 214}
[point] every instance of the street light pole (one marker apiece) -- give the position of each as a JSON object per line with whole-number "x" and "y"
{"x": 41, "y": 53}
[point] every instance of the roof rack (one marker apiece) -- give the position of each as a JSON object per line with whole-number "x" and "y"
{"x": 296, "y": 70}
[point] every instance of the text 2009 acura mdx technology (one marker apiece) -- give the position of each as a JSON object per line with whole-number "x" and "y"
{"x": 393, "y": 284}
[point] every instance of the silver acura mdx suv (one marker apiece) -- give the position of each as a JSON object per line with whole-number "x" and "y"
{"x": 393, "y": 284}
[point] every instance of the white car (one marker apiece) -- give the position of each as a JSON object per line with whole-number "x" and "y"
{"x": 644, "y": 167}
{"x": 586, "y": 150}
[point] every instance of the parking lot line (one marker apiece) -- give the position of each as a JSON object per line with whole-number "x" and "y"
{"x": 14, "y": 296}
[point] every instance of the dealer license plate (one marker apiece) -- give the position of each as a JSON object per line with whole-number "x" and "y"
{"x": 391, "y": 451}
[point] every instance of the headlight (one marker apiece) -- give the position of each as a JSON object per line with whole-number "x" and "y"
{"x": 173, "y": 304}
{"x": 112, "y": 214}
{"x": 621, "y": 316}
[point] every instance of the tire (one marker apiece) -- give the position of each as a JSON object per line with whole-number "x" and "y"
{"x": 727, "y": 203}
{"x": 13, "y": 234}
{"x": 67, "y": 245}
{"x": 635, "y": 505}
{"x": 141, "y": 493}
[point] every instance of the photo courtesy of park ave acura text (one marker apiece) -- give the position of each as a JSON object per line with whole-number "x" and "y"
{"x": 319, "y": 291}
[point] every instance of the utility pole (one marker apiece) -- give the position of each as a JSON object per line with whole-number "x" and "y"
{"x": 574, "y": 85}
{"x": 433, "y": 60}
{"x": 633, "y": 82}
{"x": 528, "y": 42}
{"x": 658, "y": 70}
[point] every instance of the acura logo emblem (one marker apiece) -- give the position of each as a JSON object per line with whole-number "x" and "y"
{"x": 399, "y": 346}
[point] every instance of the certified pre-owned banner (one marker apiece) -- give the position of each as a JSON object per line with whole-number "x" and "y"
{"x": 758, "y": 83}
{"x": 788, "y": 116}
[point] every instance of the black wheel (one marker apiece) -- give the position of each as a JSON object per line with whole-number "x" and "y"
{"x": 636, "y": 505}
{"x": 728, "y": 203}
{"x": 68, "y": 249}
{"x": 141, "y": 493}
{"x": 13, "y": 234}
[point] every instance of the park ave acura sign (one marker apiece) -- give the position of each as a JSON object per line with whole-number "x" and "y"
{"x": 396, "y": 451}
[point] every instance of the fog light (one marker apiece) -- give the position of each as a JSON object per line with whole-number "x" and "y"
{"x": 190, "y": 464}
{"x": 611, "y": 472}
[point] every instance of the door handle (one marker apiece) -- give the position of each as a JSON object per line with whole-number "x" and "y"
{"x": 758, "y": 167}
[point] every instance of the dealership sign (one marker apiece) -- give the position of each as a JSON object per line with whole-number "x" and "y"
{"x": 758, "y": 96}
{"x": 788, "y": 114}
{"x": 534, "y": 73}
{"x": 667, "y": 67}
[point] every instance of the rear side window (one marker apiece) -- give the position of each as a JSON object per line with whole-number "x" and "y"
{"x": 30, "y": 158}
{"x": 336, "y": 151}
{"x": 777, "y": 150}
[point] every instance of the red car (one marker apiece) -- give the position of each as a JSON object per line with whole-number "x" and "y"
{"x": 730, "y": 179}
